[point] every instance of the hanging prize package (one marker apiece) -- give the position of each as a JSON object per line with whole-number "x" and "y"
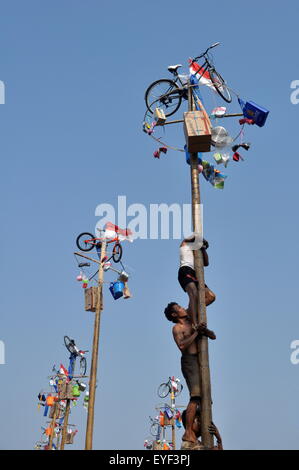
{"x": 168, "y": 414}
{"x": 221, "y": 158}
{"x": 70, "y": 436}
{"x": 107, "y": 266}
{"x": 220, "y": 137}
{"x": 76, "y": 391}
{"x": 82, "y": 386}
{"x": 48, "y": 431}
{"x": 159, "y": 117}
{"x": 86, "y": 400}
{"x": 218, "y": 112}
{"x": 178, "y": 420}
{"x": 123, "y": 277}
{"x": 42, "y": 397}
{"x": 50, "y": 400}
{"x": 85, "y": 281}
{"x": 253, "y": 111}
{"x": 116, "y": 289}
{"x": 157, "y": 153}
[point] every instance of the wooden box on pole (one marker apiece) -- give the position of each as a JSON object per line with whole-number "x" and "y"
{"x": 197, "y": 129}
{"x": 91, "y": 299}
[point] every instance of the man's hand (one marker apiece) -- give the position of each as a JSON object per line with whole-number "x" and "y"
{"x": 214, "y": 431}
{"x": 200, "y": 327}
{"x": 205, "y": 244}
{"x": 203, "y": 330}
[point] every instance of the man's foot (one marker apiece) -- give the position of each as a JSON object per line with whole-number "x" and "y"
{"x": 210, "y": 296}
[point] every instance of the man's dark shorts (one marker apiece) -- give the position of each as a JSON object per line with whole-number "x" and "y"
{"x": 190, "y": 370}
{"x": 185, "y": 276}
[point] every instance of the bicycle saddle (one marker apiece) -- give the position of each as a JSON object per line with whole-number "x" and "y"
{"x": 173, "y": 68}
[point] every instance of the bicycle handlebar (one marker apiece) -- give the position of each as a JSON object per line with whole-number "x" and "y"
{"x": 204, "y": 53}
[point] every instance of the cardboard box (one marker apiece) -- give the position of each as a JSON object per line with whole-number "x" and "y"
{"x": 91, "y": 298}
{"x": 159, "y": 117}
{"x": 197, "y": 129}
{"x": 256, "y": 112}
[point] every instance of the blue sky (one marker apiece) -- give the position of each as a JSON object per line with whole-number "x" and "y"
{"x": 75, "y": 75}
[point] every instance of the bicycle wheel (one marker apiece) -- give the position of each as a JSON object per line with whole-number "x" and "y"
{"x": 179, "y": 389}
{"x": 69, "y": 344}
{"x": 83, "y": 366}
{"x": 154, "y": 429}
{"x": 163, "y": 390}
{"x": 157, "y": 96}
{"x": 82, "y": 242}
{"x": 220, "y": 85}
{"x": 117, "y": 252}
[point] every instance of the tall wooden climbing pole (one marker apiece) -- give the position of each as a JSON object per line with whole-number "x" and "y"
{"x": 203, "y": 347}
{"x": 95, "y": 353}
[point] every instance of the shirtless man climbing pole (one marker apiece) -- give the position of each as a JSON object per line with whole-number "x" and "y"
{"x": 185, "y": 334}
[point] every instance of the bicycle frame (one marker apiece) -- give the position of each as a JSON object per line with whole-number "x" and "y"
{"x": 177, "y": 88}
{"x": 179, "y": 91}
{"x": 206, "y": 66}
{"x": 95, "y": 241}
{"x": 178, "y": 79}
{"x": 183, "y": 90}
{"x": 156, "y": 421}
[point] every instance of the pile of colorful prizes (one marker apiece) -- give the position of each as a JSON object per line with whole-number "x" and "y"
{"x": 148, "y": 444}
{"x": 163, "y": 445}
{"x": 165, "y": 417}
{"x": 252, "y": 114}
{"x": 215, "y": 177}
{"x": 64, "y": 387}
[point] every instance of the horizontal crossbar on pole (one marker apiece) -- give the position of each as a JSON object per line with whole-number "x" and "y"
{"x": 87, "y": 257}
{"x": 181, "y": 120}
{"x": 230, "y": 115}
{"x": 170, "y": 122}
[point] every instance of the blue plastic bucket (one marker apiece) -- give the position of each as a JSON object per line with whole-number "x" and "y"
{"x": 116, "y": 289}
{"x": 111, "y": 289}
